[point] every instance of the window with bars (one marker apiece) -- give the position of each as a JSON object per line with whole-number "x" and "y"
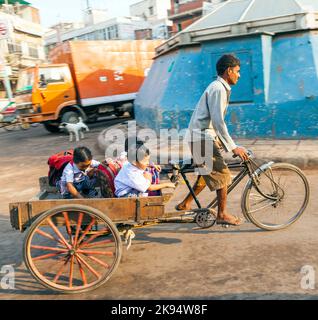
{"x": 33, "y": 52}
{"x": 112, "y": 32}
{"x": 14, "y": 47}
{"x": 105, "y": 34}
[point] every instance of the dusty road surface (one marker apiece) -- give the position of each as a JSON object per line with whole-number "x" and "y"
{"x": 167, "y": 261}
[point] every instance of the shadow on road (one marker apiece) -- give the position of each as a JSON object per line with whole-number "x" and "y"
{"x": 192, "y": 228}
{"x": 252, "y": 296}
{"x": 11, "y": 244}
{"x": 26, "y": 285}
{"x": 162, "y": 240}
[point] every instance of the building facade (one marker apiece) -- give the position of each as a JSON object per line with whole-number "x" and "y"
{"x": 23, "y": 45}
{"x": 155, "y": 12}
{"x": 122, "y": 28}
{"x": 185, "y": 12}
{"x": 151, "y": 10}
{"x": 148, "y": 20}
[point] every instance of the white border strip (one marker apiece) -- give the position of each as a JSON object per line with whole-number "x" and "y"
{"x": 108, "y": 99}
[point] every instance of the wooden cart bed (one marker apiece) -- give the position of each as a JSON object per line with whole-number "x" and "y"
{"x": 22, "y": 214}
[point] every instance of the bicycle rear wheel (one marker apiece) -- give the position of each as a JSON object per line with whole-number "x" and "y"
{"x": 277, "y": 198}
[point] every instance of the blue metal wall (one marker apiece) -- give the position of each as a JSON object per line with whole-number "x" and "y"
{"x": 276, "y": 96}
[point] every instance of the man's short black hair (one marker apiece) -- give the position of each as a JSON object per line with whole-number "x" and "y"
{"x": 82, "y": 154}
{"x": 225, "y": 62}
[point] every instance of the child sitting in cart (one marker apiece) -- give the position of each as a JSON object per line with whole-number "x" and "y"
{"x": 78, "y": 178}
{"x": 134, "y": 179}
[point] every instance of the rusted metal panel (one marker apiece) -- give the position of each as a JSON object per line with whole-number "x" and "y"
{"x": 269, "y": 101}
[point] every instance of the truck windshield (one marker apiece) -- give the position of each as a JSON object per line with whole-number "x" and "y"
{"x": 26, "y": 80}
{"x": 51, "y": 75}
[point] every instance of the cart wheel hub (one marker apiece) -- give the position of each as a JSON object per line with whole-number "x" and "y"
{"x": 72, "y": 252}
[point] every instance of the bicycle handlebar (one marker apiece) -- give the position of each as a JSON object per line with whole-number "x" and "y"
{"x": 249, "y": 153}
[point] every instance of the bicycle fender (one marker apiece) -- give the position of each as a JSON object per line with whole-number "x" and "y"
{"x": 257, "y": 172}
{"x": 248, "y": 185}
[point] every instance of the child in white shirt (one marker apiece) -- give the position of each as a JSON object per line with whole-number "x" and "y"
{"x": 133, "y": 180}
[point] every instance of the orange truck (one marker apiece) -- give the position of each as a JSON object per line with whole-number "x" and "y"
{"x": 88, "y": 79}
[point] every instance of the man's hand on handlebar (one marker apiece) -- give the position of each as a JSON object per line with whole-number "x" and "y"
{"x": 241, "y": 152}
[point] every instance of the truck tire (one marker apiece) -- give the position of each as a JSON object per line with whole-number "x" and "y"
{"x": 50, "y": 127}
{"x": 120, "y": 113}
{"x": 70, "y": 117}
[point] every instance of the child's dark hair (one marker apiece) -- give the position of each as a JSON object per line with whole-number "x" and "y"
{"x": 132, "y": 143}
{"x": 225, "y": 62}
{"x": 142, "y": 152}
{"x": 136, "y": 149}
{"x": 82, "y": 154}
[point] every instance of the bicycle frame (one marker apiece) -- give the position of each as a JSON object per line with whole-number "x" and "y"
{"x": 257, "y": 173}
{"x": 245, "y": 170}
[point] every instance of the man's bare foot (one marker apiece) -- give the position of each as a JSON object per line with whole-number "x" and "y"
{"x": 229, "y": 219}
{"x": 182, "y": 207}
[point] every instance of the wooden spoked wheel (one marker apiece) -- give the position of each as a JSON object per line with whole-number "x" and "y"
{"x": 72, "y": 249}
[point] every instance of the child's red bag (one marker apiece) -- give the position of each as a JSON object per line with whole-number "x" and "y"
{"x": 106, "y": 174}
{"x": 57, "y": 162}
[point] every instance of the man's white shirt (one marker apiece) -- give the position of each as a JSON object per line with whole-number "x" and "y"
{"x": 207, "y": 121}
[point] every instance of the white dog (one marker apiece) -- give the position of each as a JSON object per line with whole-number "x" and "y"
{"x": 76, "y": 128}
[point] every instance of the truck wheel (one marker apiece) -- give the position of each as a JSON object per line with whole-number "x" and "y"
{"x": 70, "y": 117}
{"x": 50, "y": 127}
{"x": 120, "y": 113}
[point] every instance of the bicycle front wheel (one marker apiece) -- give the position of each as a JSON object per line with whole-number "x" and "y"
{"x": 277, "y": 198}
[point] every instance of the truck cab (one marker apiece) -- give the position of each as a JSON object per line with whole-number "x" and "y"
{"x": 44, "y": 93}
{"x": 48, "y": 94}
